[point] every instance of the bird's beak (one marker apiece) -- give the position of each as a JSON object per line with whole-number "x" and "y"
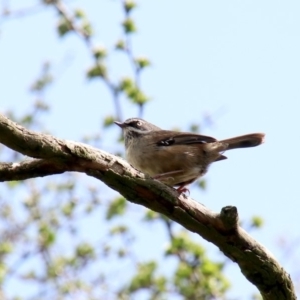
{"x": 120, "y": 124}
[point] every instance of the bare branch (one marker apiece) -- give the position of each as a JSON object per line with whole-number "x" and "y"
{"x": 256, "y": 263}
{"x": 29, "y": 169}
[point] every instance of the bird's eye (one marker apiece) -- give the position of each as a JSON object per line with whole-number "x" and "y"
{"x": 138, "y": 123}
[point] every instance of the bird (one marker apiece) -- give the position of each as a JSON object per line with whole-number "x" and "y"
{"x": 176, "y": 158}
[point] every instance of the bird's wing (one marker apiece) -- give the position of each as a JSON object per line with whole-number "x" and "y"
{"x": 168, "y": 138}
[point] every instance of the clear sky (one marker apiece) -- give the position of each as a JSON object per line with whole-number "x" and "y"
{"x": 237, "y": 61}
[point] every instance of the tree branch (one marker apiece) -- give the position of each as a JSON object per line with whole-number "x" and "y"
{"x": 57, "y": 156}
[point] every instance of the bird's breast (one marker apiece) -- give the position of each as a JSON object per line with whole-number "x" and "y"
{"x": 184, "y": 163}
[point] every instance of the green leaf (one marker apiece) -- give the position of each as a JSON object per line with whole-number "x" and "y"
{"x": 97, "y": 71}
{"x": 202, "y": 184}
{"x": 257, "y": 222}
{"x": 46, "y": 235}
{"x": 122, "y": 252}
{"x": 99, "y": 52}
{"x": 129, "y": 6}
{"x": 85, "y": 250}
{"x": 151, "y": 215}
{"x": 79, "y": 13}
{"x": 137, "y": 96}
{"x": 12, "y": 184}
{"x": 132, "y": 91}
{"x": 129, "y": 26}
{"x": 68, "y": 208}
{"x": 56, "y": 267}
{"x": 87, "y": 28}
{"x": 116, "y": 208}
{"x": 120, "y": 45}
{"x": 195, "y": 128}
{"x": 126, "y": 84}
{"x": 5, "y": 248}
{"x": 3, "y": 271}
{"x": 118, "y": 229}
{"x": 108, "y": 121}
{"x": 142, "y": 62}
{"x": 144, "y": 277}
{"x": 64, "y": 26}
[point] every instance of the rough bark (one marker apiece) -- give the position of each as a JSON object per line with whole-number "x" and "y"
{"x": 53, "y": 156}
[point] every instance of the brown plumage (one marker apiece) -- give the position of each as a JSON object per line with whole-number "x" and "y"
{"x": 176, "y": 158}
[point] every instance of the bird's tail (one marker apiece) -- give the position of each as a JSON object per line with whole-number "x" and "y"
{"x": 244, "y": 141}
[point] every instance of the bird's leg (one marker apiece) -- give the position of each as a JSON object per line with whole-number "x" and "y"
{"x": 182, "y": 189}
{"x": 163, "y": 176}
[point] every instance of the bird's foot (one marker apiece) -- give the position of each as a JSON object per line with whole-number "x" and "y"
{"x": 183, "y": 190}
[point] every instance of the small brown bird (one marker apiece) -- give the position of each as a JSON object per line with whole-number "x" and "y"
{"x": 176, "y": 158}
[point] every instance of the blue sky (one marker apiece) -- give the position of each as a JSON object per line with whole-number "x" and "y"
{"x": 237, "y": 61}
